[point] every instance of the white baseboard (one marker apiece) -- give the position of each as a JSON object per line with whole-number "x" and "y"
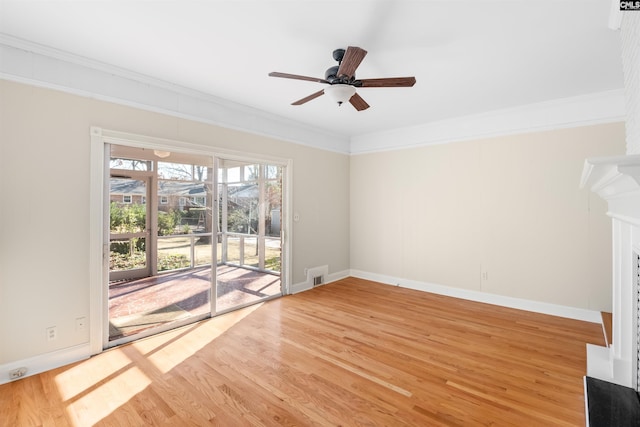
{"x": 334, "y": 277}
{"x": 599, "y": 362}
{"x": 300, "y": 287}
{"x": 484, "y": 297}
{"x": 46, "y": 362}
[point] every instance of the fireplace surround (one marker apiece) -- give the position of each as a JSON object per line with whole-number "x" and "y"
{"x": 617, "y": 181}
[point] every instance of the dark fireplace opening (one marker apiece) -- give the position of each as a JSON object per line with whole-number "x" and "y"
{"x": 636, "y": 276}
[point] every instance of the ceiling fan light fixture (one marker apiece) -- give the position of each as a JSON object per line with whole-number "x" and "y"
{"x": 340, "y": 93}
{"x": 162, "y": 154}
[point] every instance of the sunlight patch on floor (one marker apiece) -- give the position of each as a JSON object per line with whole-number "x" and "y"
{"x": 95, "y": 388}
{"x": 166, "y": 351}
{"x": 85, "y": 375}
{"x": 108, "y": 397}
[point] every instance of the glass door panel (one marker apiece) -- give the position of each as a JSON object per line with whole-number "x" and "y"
{"x": 162, "y": 224}
{"x": 273, "y": 220}
{"x": 250, "y": 252}
{"x": 249, "y": 233}
{"x": 273, "y": 254}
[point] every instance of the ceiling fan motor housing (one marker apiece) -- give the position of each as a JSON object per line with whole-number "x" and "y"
{"x": 331, "y": 75}
{"x": 338, "y": 54}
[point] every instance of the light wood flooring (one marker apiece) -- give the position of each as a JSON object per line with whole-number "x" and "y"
{"x": 350, "y": 353}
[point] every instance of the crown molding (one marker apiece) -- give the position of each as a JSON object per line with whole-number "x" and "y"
{"x": 26, "y": 62}
{"x": 584, "y": 110}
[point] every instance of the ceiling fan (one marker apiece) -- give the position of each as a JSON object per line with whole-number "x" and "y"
{"x": 342, "y": 80}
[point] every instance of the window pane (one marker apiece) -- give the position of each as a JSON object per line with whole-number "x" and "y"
{"x": 273, "y": 250}
{"x": 272, "y": 172}
{"x": 273, "y": 202}
{"x": 174, "y": 253}
{"x": 251, "y": 251}
{"x": 127, "y": 214}
{"x": 251, "y": 172}
{"x": 242, "y": 208}
{"x": 233, "y": 174}
{"x": 127, "y": 191}
{"x": 202, "y": 251}
{"x": 127, "y": 254}
{"x": 233, "y": 249}
{"x": 182, "y": 172}
{"x": 129, "y": 164}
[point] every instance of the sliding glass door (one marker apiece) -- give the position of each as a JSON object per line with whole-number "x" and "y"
{"x": 189, "y": 236}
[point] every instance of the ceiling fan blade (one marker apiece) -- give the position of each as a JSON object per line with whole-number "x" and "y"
{"x": 350, "y": 61}
{"x": 308, "y": 98}
{"x": 297, "y": 77}
{"x": 359, "y": 103}
{"x": 389, "y": 82}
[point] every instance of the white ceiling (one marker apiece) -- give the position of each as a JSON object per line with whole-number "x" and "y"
{"x": 468, "y": 57}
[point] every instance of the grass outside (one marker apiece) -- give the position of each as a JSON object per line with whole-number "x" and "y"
{"x": 175, "y": 252}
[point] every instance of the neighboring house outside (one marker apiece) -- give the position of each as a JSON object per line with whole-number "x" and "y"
{"x": 172, "y": 195}
{"x": 187, "y": 196}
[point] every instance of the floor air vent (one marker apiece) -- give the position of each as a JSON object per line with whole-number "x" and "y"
{"x": 317, "y": 275}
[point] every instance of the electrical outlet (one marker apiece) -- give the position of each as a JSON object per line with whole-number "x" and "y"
{"x": 81, "y": 323}
{"x": 14, "y": 374}
{"x": 52, "y": 333}
{"x": 485, "y": 275}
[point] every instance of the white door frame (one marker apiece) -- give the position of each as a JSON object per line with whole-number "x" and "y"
{"x": 98, "y": 233}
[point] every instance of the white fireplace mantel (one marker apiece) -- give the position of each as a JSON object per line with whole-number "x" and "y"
{"x": 617, "y": 180}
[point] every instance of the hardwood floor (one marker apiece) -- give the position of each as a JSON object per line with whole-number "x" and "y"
{"x": 607, "y": 326}
{"x": 350, "y": 353}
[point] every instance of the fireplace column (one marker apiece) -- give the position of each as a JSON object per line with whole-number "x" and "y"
{"x": 617, "y": 180}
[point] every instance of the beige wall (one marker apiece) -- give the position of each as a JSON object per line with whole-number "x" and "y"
{"x": 44, "y": 245}
{"x": 436, "y": 214}
{"x": 509, "y": 206}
